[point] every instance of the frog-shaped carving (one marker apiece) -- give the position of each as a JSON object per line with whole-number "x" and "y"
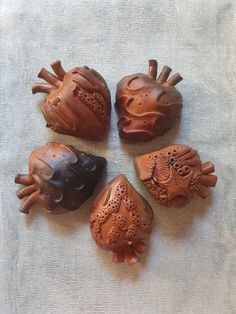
{"x": 78, "y": 101}
{"x": 147, "y": 107}
{"x": 60, "y": 178}
{"x": 120, "y": 220}
{"x": 174, "y": 174}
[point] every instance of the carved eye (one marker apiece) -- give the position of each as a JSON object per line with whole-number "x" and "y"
{"x": 136, "y": 83}
{"x": 163, "y": 97}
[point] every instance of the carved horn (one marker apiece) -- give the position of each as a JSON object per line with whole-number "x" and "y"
{"x": 41, "y": 88}
{"x": 164, "y": 74}
{"x": 58, "y": 69}
{"x": 174, "y": 80}
{"x": 152, "y": 70}
{"x": 49, "y": 77}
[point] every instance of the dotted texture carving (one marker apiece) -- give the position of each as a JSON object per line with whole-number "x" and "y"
{"x": 147, "y": 106}
{"x": 175, "y": 174}
{"x": 78, "y": 101}
{"x": 120, "y": 220}
{"x": 60, "y": 178}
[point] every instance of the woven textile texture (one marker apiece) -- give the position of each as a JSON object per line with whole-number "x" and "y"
{"x": 50, "y": 264}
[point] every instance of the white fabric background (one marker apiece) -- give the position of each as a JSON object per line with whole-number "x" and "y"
{"x": 50, "y": 264}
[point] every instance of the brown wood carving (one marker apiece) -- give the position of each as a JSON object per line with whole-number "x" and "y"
{"x": 173, "y": 175}
{"x": 78, "y": 101}
{"x": 120, "y": 220}
{"x": 60, "y": 178}
{"x": 147, "y": 106}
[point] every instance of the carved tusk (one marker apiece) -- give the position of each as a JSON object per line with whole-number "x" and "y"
{"x": 207, "y": 167}
{"x": 140, "y": 247}
{"x": 24, "y": 179}
{"x": 152, "y": 71}
{"x": 204, "y": 191}
{"x": 28, "y": 203}
{"x": 26, "y": 190}
{"x": 41, "y": 88}
{"x": 174, "y": 80}
{"x": 164, "y": 74}
{"x": 208, "y": 180}
{"x": 130, "y": 256}
{"x": 58, "y": 69}
{"x": 118, "y": 257}
{"x": 49, "y": 77}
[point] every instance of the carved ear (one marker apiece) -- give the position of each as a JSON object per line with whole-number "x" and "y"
{"x": 145, "y": 167}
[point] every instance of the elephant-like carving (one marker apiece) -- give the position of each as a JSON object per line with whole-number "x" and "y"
{"x": 60, "y": 178}
{"x": 147, "y": 107}
{"x": 78, "y": 101}
{"x": 120, "y": 220}
{"x": 174, "y": 174}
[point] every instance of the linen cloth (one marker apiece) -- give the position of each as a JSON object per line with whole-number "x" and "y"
{"x": 50, "y": 264}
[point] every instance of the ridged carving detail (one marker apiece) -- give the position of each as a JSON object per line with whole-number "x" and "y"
{"x": 60, "y": 178}
{"x": 120, "y": 220}
{"x": 175, "y": 174}
{"x": 147, "y": 106}
{"x": 78, "y": 101}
